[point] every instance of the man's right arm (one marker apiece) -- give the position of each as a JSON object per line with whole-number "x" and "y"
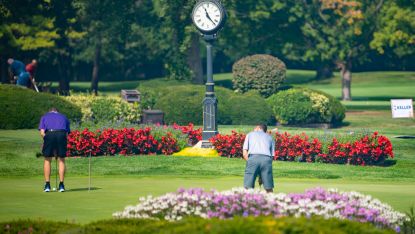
{"x": 42, "y": 127}
{"x": 245, "y": 155}
{"x": 42, "y": 133}
{"x": 245, "y": 148}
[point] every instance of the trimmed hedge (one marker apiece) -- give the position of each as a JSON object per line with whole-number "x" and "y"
{"x": 23, "y": 108}
{"x": 304, "y": 106}
{"x": 183, "y": 105}
{"x": 260, "y": 72}
{"x": 197, "y": 225}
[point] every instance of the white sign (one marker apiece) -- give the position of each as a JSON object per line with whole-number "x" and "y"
{"x": 402, "y": 108}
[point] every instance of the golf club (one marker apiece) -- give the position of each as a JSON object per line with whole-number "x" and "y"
{"x": 34, "y": 84}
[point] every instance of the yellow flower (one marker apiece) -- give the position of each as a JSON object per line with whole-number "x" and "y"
{"x": 197, "y": 152}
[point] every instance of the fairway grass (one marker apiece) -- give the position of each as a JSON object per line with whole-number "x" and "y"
{"x": 24, "y": 198}
{"x": 120, "y": 180}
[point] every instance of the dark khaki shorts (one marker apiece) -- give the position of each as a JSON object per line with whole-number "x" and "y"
{"x": 54, "y": 142}
{"x": 259, "y": 165}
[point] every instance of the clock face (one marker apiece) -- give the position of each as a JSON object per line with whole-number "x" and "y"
{"x": 207, "y": 16}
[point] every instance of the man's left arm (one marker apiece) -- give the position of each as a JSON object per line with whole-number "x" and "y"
{"x": 272, "y": 147}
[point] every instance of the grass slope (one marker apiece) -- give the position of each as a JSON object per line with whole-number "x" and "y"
{"x": 24, "y": 197}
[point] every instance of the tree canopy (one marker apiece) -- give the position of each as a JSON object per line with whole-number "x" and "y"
{"x": 137, "y": 39}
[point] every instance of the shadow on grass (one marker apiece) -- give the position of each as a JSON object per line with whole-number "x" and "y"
{"x": 82, "y": 189}
{"x": 364, "y": 107}
{"x": 379, "y": 98}
{"x": 389, "y": 163}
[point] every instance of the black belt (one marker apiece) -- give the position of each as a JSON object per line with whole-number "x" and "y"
{"x": 56, "y": 130}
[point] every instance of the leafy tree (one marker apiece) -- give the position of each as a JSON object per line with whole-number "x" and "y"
{"x": 255, "y": 27}
{"x": 68, "y": 31}
{"x": 334, "y": 32}
{"x": 182, "y": 41}
{"x": 397, "y": 28}
{"x": 106, "y": 24}
{"x": 24, "y": 26}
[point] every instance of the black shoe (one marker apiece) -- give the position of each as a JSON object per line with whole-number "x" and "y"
{"x": 47, "y": 187}
{"x": 61, "y": 187}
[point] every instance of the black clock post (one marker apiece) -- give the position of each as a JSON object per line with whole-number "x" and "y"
{"x": 210, "y": 102}
{"x": 209, "y": 17}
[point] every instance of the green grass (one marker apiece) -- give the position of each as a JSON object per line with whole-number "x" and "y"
{"x": 21, "y": 161}
{"x": 120, "y": 180}
{"x": 24, "y": 198}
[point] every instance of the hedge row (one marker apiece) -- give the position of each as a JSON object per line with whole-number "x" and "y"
{"x": 252, "y": 225}
{"x": 183, "y": 104}
{"x": 23, "y": 108}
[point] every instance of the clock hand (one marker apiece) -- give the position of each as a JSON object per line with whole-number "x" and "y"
{"x": 207, "y": 16}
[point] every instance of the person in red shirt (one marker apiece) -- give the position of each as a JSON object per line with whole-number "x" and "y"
{"x": 31, "y": 68}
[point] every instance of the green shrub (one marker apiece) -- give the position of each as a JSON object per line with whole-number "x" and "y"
{"x": 23, "y": 108}
{"x": 183, "y": 105}
{"x": 101, "y": 109}
{"x": 199, "y": 225}
{"x": 303, "y": 106}
{"x": 260, "y": 72}
{"x": 249, "y": 108}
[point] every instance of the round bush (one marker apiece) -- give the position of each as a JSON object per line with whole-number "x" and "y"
{"x": 260, "y": 72}
{"x": 303, "y": 106}
{"x": 183, "y": 105}
{"x": 23, "y": 108}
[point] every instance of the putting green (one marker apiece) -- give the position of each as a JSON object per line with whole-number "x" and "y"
{"x": 23, "y": 197}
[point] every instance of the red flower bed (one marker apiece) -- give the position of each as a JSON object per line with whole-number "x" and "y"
{"x": 229, "y": 145}
{"x": 296, "y": 147}
{"x": 194, "y": 135}
{"x": 126, "y": 141}
{"x": 367, "y": 150}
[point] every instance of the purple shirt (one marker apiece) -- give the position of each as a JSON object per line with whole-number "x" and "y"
{"x": 54, "y": 120}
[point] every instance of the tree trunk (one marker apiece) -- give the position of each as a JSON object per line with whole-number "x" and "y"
{"x": 194, "y": 61}
{"x": 63, "y": 67}
{"x": 3, "y": 71}
{"x": 324, "y": 71}
{"x": 346, "y": 74}
{"x": 95, "y": 70}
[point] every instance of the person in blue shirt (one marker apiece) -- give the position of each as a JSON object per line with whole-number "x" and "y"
{"x": 54, "y": 128}
{"x": 259, "y": 151}
{"x": 18, "y": 70}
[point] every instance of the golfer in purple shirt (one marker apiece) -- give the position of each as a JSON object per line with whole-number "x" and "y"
{"x": 54, "y": 128}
